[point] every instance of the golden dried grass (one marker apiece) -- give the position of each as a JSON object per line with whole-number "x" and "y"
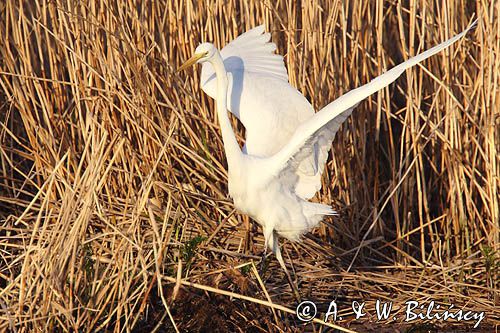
{"x": 112, "y": 164}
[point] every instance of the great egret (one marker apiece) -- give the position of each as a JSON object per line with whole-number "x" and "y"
{"x": 287, "y": 144}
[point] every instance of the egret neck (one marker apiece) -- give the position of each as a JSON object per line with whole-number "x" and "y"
{"x": 231, "y": 146}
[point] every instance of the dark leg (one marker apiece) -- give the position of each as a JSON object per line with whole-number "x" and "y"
{"x": 268, "y": 233}
{"x": 273, "y": 242}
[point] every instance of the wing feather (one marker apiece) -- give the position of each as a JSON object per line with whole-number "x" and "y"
{"x": 251, "y": 52}
{"x": 314, "y": 136}
{"x": 259, "y": 94}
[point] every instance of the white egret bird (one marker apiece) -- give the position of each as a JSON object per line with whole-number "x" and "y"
{"x": 287, "y": 143}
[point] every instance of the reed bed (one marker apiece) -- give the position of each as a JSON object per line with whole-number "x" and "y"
{"x": 114, "y": 214}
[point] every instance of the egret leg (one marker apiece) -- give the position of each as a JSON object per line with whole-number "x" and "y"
{"x": 263, "y": 262}
{"x": 273, "y": 242}
{"x": 268, "y": 234}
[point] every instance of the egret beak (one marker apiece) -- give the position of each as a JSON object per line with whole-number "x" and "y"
{"x": 192, "y": 61}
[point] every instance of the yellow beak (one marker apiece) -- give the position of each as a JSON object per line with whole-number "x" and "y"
{"x": 191, "y": 61}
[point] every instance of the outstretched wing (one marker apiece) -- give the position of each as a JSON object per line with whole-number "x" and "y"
{"x": 317, "y": 133}
{"x": 259, "y": 94}
{"x": 251, "y": 52}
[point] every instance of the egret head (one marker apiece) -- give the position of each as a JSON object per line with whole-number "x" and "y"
{"x": 204, "y": 52}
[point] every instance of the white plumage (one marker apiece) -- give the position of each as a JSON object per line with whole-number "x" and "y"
{"x": 260, "y": 96}
{"x": 286, "y": 143}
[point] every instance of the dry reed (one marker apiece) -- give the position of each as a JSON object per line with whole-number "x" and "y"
{"x": 113, "y": 186}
